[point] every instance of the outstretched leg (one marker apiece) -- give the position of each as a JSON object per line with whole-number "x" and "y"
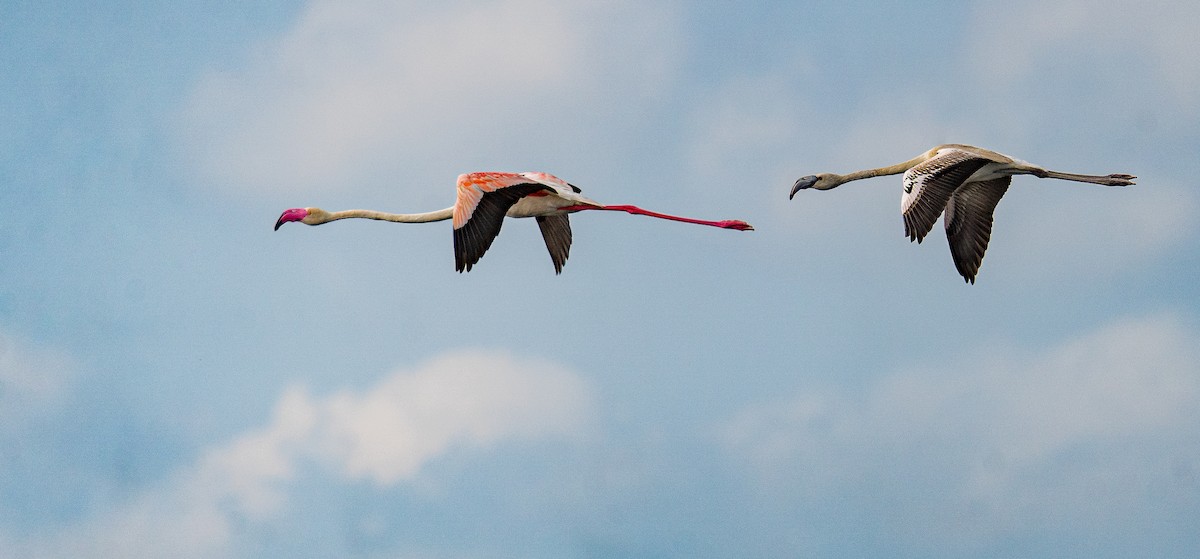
{"x": 1108, "y": 180}
{"x": 726, "y": 224}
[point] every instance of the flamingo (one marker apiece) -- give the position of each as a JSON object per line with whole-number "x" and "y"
{"x": 483, "y": 201}
{"x": 966, "y": 182}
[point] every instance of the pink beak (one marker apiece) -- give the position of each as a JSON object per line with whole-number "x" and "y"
{"x": 294, "y": 214}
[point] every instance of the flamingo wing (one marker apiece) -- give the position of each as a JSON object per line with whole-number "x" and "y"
{"x": 928, "y": 186}
{"x": 969, "y": 222}
{"x": 556, "y": 231}
{"x": 483, "y": 200}
{"x": 547, "y": 179}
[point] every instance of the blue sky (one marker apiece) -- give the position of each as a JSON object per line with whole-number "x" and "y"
{"x": 178, "y": 380}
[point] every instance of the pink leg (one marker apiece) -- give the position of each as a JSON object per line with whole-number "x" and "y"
{"x": 726, "y": 224}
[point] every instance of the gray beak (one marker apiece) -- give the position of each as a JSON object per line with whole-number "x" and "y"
{"x": 801, "y": 184}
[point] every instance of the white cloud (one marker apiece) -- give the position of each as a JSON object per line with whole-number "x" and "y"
{"x": 386, "y": 434}
{"x": 31, "y": 379}
{"x": 478, "y": 398}
{"x": 1013, "y": 42}
{"x": 1122, "y": 229}
{"x": 365, "y": 83}
{"x": 995, "y": 438}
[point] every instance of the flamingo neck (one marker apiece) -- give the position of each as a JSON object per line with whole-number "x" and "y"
{"x": 439, "y": 215}
{"x": 885, "y": 170}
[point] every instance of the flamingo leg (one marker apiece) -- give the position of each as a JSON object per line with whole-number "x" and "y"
{"x": 724, "y": 224}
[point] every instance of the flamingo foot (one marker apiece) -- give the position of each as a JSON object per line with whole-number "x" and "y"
{"x": 735, "y": 224}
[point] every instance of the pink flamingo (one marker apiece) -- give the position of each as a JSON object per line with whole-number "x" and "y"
{"x": 483, "y": 201}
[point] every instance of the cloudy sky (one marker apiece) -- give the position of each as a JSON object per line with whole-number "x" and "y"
{"x": 178, "y": 380}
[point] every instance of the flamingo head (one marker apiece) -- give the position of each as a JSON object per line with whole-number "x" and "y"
{"x": 823, "y": 181}
{"x": 294, "y": 214}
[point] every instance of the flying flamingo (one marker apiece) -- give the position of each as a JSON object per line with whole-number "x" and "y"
{"x": 964, "y": 181}
{"x": 483, "y": 201}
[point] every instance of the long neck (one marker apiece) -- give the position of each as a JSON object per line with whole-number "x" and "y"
{"x": 426, "y": 217}
{"x": 883, "y": 171}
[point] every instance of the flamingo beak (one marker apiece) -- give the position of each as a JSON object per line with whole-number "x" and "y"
{"x": 294, "y": 214}
{"x": 801, "y": 184}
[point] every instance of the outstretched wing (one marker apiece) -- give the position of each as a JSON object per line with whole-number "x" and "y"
{"x": 556, "y": 231}
{"x": 969, "y": 223}
{"x": 928, "y": 186}
{"x": 483, "y": 200}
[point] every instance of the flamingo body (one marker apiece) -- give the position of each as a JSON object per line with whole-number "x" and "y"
{"x": 485, "y": 199}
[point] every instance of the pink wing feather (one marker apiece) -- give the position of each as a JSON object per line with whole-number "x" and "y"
{"x": 472, "y": 187}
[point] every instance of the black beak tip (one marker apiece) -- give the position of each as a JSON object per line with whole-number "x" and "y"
{"x": 801, "y": 184}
